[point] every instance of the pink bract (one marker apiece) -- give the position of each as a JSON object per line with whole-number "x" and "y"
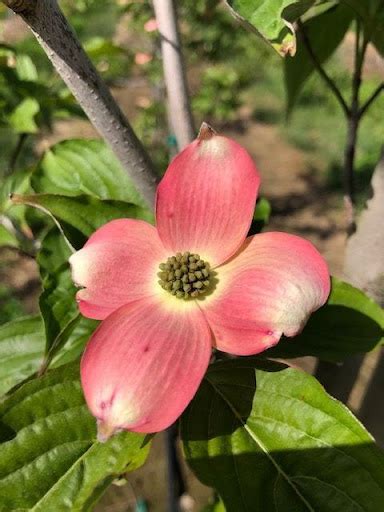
{"x": 146, "y": 360}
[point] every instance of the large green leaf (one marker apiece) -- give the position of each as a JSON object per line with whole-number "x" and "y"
{"x": 58, "y": 307}
{"x": 273, "y": 20}
{"x": 51, "y": 460}
{"x": 21, "y": 351}
{"x": 64, "y": 327}
{"x": 371, "y": 13}
{"x": 80, "y": 216}
{"x": 272, "y": 440}
{"x": 350, "y": 323}
{"x": 23, "y": 345}
{"x": 377, "y": 33}
{"x": 325, "y": 33}
{"x": 366, "y": 9}
{"x": 78, "y": 166}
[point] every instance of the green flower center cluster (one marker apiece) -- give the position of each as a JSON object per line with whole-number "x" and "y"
{"x": 184, "y": 275}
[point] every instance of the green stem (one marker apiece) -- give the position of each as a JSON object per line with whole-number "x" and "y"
{"x": 353, "y": 121}
{"x": 371, "y": 99}
{"x": 319, "y": 68}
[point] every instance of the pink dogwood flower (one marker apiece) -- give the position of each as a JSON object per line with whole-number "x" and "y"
{"x": 142, "y": 58}
{"x": 151, "y": 25}
{"x": 170, "y": 293}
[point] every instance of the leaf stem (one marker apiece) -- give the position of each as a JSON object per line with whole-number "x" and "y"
{"x": 371, "y": 99}
{"x": 319, "y": 68}
{"x": 353, "y": 124}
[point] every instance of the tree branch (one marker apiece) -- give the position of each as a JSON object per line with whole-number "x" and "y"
{"x": 327, "y": 79}
{"x": 55, "y": 35}
{"x": 174, "y": 73}
{"x": 370, "y": 100}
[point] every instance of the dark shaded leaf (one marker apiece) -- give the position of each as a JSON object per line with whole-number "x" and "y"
{"x": 275, "y": 441}
{"x": 350, "y": 323}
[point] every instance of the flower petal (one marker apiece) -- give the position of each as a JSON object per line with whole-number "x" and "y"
{"x": 144, "y": 364}
{"x": 117, "y": 265}
{"x": 269, "y": 288}
{"x": 206, "y": 199}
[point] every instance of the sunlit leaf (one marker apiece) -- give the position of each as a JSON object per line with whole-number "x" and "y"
{"x": 51, "y": 460}
{"x": 75, "y": 167}
{"x": 21, "y": 350}
{"x": 271, "y": 439}
{"x": 22, "y": 119}
{"x": 273, "y": 20}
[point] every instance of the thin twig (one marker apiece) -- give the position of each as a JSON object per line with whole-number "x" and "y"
{"x": 329, "y": 81}
{"x": 174, "y": 73}
{"x": 354, "y": 121}
{"x": 55, "y": 35}
{"x": 371, "y": 99}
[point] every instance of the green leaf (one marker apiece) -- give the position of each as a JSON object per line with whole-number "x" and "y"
{"x": 21, "y": 350}
{"x": 371, "y": 13}
{"x": 25, "y": 68}
{"x": 74, "y": 346}
{"x": 51, "y": 460}
{"x": 80, "y": 216}
{"x": 76, "y": 167}
{"x": 378, "y": 33}
{"x": 350, "y": 323}
{"x": 271, "y": 439}
{"x": 100, "y": 47}
{"x": 272, "y": 20}
{"x": 53, "y": 253}
{"x": 58, "y": 307}
{"x": 22, "y": 118}
{"x": 261, "y": 215}
{"x": 217, "y": 506}
{"x": 366, "y": 10}
{"x": 16, "y": 183}
{"x": 7, "y": 239}
{"x": 66, "y": 330}
{"x": 22, "y": 347}
{"x": 325, "y": 33}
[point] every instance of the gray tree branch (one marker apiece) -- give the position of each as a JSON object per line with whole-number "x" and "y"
{"x": 174, "y": 73}
{"x": 55, "y": 35}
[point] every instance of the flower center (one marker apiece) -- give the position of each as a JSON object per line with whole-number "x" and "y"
{"x": 184, "y": 275}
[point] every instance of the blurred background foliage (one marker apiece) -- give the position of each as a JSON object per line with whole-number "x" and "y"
{"x": 227, "y": 70}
